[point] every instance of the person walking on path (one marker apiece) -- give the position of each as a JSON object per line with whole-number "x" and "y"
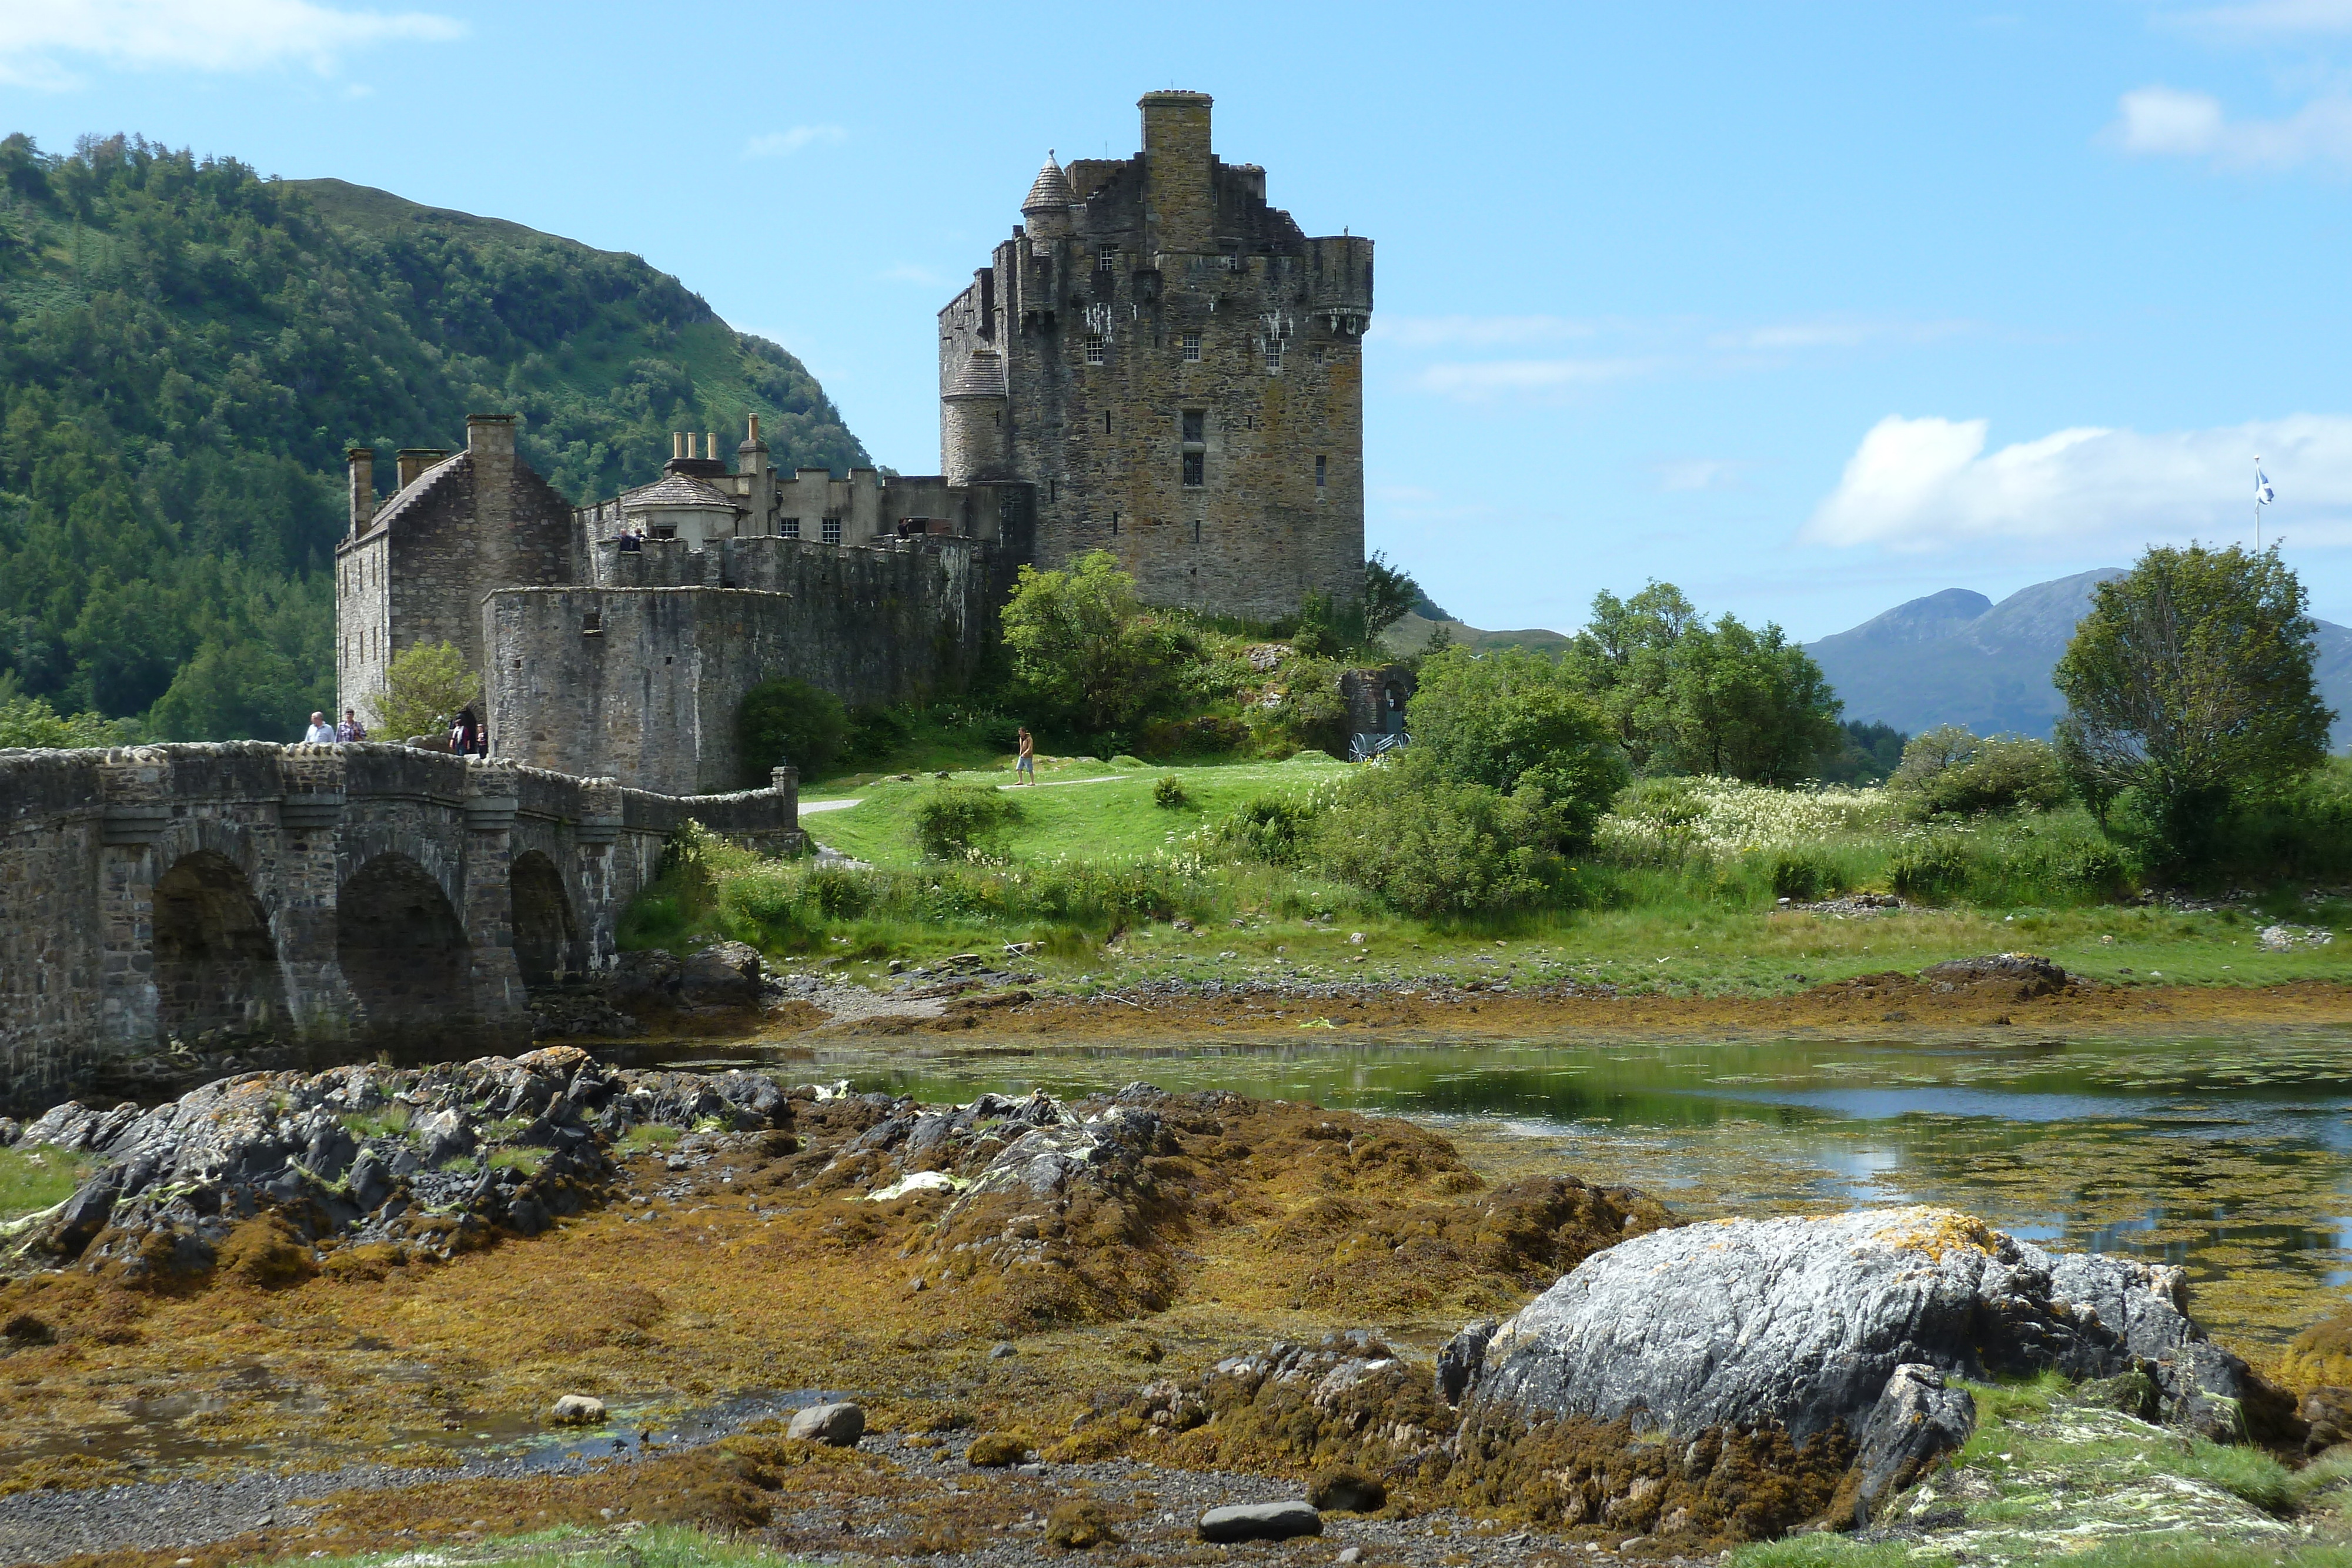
{"x": 1026, "y": 764}
{"x": 350, "y": 729}
{"x": 320, "y": 733}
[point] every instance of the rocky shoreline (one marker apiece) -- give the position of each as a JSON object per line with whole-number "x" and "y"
{"x": 1033, "y": 1300}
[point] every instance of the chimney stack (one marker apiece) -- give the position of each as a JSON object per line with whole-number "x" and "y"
{"x": 676, "y": 445}
{"x": 362, "y": 468}
{"x": 414, "y": 460}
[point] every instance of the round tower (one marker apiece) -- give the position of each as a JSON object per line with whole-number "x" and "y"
{"x": 1045, "y": 211}
{"x": 974, "y": 439}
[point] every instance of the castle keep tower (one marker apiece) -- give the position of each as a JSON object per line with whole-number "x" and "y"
{"x": 1176, "y": 370}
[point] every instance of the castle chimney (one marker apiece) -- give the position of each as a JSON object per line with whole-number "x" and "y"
{"x": 751, "y": 457}
{"x": 1176, "y": 193}
{"x": 414, "y": 460}
{"x": 711, "y": 446}
{"x": 363, "y": 462}
{"x": 676, "y": 445}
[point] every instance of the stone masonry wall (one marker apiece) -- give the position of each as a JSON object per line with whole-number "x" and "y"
{"x": 289, "y": 832}
{"x": 644, "y": 684}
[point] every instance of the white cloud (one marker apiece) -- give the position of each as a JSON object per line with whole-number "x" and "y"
{"x": 38, "y": 40}
{"x": 1929, "y": 484}
{"x": 1833, "y": 332}
{"x": 2164, "y": 121}
{"x": 1483, "y": 380}
{"x": 1477, "y": 331}
{"x": 2272, "y": 17}
{"x": 1700, "y": 473}
{"x": 784, "y": 143}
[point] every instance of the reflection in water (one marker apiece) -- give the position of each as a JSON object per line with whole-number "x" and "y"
{"x": 2229, "y": 1156}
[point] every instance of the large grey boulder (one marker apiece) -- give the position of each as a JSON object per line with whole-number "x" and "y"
{"x": 1260, "y": 1521}
{"x": 838, "y": 1425}
{"x": 723, "y": 975}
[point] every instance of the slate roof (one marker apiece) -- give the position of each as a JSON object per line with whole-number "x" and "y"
{"x": 1052, "y": 192}
{"x": 677, "y": 490}
{"x": 983, "y": 376}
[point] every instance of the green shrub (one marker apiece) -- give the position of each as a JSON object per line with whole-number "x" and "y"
{"x": 1930, "y": 867}
{"x": 1438, "y": 849}
{"x": 1268, "y": 828}
{"x": 1209, "y": 736}
{"x": 1169, "y": 794}
{"x": 839, "y": 892}
{"x": 874, "y": 734}
{"x": 957, "y": 821}
{"x": 792, "y": 722}
{"x": 1950, "y": 771}
{"x": 1805, "y": 875}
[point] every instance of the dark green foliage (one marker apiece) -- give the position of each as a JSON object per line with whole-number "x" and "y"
{"x": 2190, "y": 687}
{"x": 186, "y": 349}
{"x": 1515, "y": 721}
{"x": 1929, "y": 868}
{"x": 1947, "y": 772}
{"x": 1169, "y": 795}
{"x": 1869, "y": 753}
{"x": 1685, "y": 696}
{"x": 31, "y": 722}
{"x": 1085, "y": 653}
{"x": 789, "y": 721}
{"x": 1440, "y": 847}
{"x": 960, "y": 821}
{"x": 1268, "y": 828}
{"x": 1805, "y": 875}
{"x": 1389, "y": 595}
{"x": 876, "y": 735}
{"x": 1210, "y": 736}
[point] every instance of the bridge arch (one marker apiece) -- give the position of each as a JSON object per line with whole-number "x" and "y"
{"x": 215, "y": 963}
{"x": 401, "y": 947}
{"x": 546, "y": 931}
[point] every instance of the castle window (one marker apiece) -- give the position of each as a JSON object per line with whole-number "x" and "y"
{"x": 1196, "y": 534}
{"x": 1106, "y": 422}
{"x": 1094, "y": 348}
{"x": 1316, "y": 353}
{"x": 1274, "y": 354}
{"x": 1322, "y": 473}
{"x": 591, "y": 625}
{"x": 1114, "y": 525}
{"x": 788, "y": 528}
{"x": 665, "y": 531}
{"x": 1192, "y": 347}
{"x": 830, "y": 530}
{"x": 1195, "y": 462}
{"x": 1196, "y": 422}
{"x": 1107, "y": 259}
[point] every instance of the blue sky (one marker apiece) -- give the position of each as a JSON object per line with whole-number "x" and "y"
{"x": 1808, "y": 309}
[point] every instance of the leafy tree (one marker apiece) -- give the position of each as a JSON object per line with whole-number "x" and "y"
{"x": 1511, "y": 721}
{"x": 32, "y": 722}
{"x": 1389, "y": 595}
{"x": 959, "y": 821}
{"x": 1084, "y": 648}
{"x": 789, "y": 721}
{"x": 2190, "y": 685}
{"x": 1683, "y": 696}
{"x": 424, "y": 687}
{"x": 1949, "y": 771}
{"x": 243, "y": 690}
{"x": 1869, "y": 752}
{"x": 1439, "y": 848}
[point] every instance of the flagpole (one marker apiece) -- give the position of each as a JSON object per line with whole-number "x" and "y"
{"x": 2258, "y": 503}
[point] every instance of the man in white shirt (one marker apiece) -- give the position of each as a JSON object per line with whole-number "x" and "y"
{"x": 320, "y": 733}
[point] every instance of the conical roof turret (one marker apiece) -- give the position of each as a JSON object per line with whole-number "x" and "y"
{"x": 1051, "y": 193}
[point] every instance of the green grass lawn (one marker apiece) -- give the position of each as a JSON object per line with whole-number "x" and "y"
{"x": 34, "y": 1179}
{"x": 1643, "y": 933}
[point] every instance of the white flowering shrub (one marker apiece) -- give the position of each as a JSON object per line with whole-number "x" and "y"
{"x": 1674, "y": 819}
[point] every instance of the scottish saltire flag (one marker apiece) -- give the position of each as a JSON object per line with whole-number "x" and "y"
{"x": 2264, "y": 496}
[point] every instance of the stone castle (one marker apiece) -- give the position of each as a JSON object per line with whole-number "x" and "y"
{"x": 1156, "y": 363}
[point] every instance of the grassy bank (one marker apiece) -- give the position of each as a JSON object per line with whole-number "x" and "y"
{"x": 1682, "y": 892}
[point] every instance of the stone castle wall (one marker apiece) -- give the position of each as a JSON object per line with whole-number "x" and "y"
{"x": 644, "y": 683}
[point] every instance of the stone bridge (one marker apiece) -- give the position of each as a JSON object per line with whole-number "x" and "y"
{"x": 168, "y": 898}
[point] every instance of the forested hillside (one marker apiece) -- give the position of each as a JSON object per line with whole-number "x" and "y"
{"x": 186, "y": 349}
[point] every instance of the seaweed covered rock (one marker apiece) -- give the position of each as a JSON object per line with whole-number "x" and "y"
{"x": 425, "y": 1160}
{"x": 1809, "y": 1336}
{"x": 2011, "y": 977}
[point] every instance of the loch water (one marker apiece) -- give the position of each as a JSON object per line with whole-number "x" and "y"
{"x": 2229, "y": 1154}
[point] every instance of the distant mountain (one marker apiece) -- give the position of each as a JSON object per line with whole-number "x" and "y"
{"x": 1956, "y": 657}
{"x": 1411, "y": 635}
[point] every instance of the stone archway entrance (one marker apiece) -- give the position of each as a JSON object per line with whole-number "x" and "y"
{"x": 215, "y": 964}
{"x": 545, "y": 934}
{"x": 402, "y": 949}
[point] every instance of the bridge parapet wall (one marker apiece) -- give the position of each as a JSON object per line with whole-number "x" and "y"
{"x": 167, "y": 898}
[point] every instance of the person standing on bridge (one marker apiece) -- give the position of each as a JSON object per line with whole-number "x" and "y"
{"x": 466, "y": 737}
{"x": 350, "y": 729}
{"x": 320, "y": 733}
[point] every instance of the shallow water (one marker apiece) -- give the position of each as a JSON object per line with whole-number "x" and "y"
{"x": 2230, "y": 1155}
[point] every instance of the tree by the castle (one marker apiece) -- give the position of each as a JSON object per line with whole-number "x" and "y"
{"x": 1085, "y": 653}
{"x": 2189, "y": 691}
{"x": 1390, "y": 592}
{"x": 789, "y": 721}
{"x": 424, "y": 687}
